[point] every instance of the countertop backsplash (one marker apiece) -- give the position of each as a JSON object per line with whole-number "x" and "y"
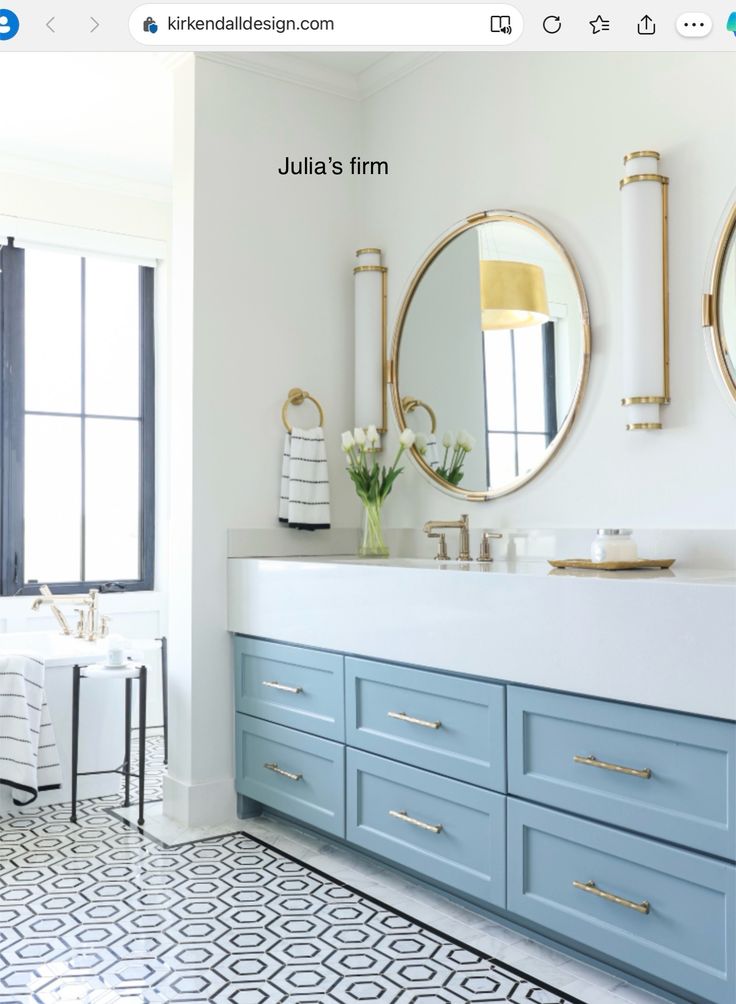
{"x": 702, "y": 549}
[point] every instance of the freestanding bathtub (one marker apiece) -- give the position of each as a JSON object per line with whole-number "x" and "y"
{"x": 101, "y": 739}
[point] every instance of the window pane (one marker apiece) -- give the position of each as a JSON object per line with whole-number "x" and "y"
{"x": 531, "y": 450}
{"x": 52, "y": 499}
{"x": 112, "y": 499}
{"x": 112, "y": 336}
{"x": 53, "y": 326}
{"x": 501, "y": 459}
{"x": 499, "y": 381}
{"x": 529, "y": 379}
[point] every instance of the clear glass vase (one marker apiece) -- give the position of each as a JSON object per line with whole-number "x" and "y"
{"x": 372, "y": 545}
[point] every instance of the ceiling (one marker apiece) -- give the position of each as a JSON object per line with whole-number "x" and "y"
{"x": 108, "y": 113}
{"x": 111, "y": 114}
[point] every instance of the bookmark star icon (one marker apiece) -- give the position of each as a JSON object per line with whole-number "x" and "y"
{"x": 600, "y": 24}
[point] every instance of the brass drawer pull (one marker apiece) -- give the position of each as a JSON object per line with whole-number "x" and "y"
{"x": 432, "y": 827}
{"x": 591, "y": 761}
{"x": 281, "y": 686}
{"x": 642, "y": 907}
{"x": 401, "y": 716}
{"x": 283, "y": 773}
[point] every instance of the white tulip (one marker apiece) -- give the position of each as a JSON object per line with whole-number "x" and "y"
{"x": 447, "y": 441}
{"x": 467, "y": 442}
{"x": 407, "y": 439}
{"x": 359, "y": 435}
{"x": 347, "y": 441}
{"x": 421, "y": 444}
{"x": 372, "y": 435}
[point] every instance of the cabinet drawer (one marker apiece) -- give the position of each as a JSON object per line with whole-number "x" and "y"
{"x": 452, "y": 832}
{"x": 298, "y": 687}
{"x": 292, "y": 772}
{"x": 683, "y": 930}
{"x": 442, "y": 723}
{"x": 679, "y": 777}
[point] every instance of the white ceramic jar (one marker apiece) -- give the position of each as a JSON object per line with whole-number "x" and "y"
{"x": 613, "y": 545}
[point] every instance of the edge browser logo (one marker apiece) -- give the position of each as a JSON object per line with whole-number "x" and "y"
{"x": 731, "y": 23}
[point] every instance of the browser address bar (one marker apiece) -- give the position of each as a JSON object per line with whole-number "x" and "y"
{"x": 329, "y": 24}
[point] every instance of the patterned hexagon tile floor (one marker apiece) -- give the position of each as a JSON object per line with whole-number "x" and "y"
{"x": 101, "y": 914}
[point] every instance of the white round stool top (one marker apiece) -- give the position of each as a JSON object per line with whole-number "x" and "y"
{"x": 99, "y": 671}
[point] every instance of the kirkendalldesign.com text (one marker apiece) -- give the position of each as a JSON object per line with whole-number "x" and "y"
{"x": 279, "y": 25}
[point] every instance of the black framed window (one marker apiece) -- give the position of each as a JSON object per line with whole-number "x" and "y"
{"x": 521, "y": 399}
{"x": 77, "y": 387}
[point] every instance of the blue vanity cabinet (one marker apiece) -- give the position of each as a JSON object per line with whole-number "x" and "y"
{"x": 453, "y": 832}
{"x": 293, "y": 772}
{"x": 660, "y": 773}
{"x": 439, "y": 722}
{"x": 288, "y": 685}
{"x": 608, "y": 827}
{"x": 664, "y": 911}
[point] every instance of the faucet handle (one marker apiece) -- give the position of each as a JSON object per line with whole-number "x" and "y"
{"x": 441, "y": 547}
{"x": 81, "y": 612}
{"x": 485, "y": 545}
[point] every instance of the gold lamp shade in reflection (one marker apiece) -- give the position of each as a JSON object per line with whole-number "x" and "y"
{"x": 512, "y": 295}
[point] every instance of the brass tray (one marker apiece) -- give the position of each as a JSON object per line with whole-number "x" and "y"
{"x": 612, "y": 566}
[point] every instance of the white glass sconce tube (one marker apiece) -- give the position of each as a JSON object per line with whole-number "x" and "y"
{"x": 645, "y": 290}
{"x": 370, "y": 340}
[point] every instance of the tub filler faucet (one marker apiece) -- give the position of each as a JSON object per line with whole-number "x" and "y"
{"x": 91, "y": 625}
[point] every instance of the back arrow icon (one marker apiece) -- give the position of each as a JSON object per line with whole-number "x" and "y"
{"x": 95, "y": 23}
{"x": 49, "y": 23}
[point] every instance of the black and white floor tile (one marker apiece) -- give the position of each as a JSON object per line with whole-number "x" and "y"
{"x": 99, "y": 913}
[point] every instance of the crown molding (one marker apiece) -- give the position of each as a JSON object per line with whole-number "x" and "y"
{"x": 292, "y": 69}
{"x": 82, "y": 178}
{"x": 298, "y": 69}
{"x": 390, "y": 69}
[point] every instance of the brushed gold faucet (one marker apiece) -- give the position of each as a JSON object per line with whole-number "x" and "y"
{"x": 462, "y": 524}
{"x": 91, "y": 625}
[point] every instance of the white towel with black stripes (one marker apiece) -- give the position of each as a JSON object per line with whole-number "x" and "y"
{"x": 432, "y": 456}
{"x": 305, "y": 485}
{"x": 29, "y": 758}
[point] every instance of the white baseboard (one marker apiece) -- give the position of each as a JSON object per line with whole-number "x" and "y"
{"x": 207, "y": 803}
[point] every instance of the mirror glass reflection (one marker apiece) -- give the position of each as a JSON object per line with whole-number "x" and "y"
{"x": 492, "y": 354}
{"x": 727, "y": 308}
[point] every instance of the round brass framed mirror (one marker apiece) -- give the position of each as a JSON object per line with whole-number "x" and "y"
{"x": 490, "y": 355}
{"x": 719, "y": 303}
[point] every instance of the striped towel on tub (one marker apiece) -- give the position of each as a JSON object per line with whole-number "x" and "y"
{"x": 29, "y": 759}
{"x": 305, "y": 487}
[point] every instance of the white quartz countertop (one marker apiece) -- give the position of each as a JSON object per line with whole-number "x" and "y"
{"x": 660, "y": 638}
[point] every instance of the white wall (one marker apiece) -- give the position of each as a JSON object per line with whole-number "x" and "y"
{"x": 52, "y": 194}
{"x": 263, "y": 300}
{"x": 546, "y": 136}
{"x": 262, "y": 297}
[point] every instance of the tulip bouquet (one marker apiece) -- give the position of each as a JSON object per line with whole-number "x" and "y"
{"x": 373, "y": 482}
{"x": 456, "y": 450}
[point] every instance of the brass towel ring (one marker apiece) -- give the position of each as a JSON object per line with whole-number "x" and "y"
{"x": 410, "y": 403}
{"x": 298, "y": 396}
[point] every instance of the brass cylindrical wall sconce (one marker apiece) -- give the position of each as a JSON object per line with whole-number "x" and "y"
{"x": 645, "y": 290}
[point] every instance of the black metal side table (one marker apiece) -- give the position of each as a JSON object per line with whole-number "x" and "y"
{"x": 129, "y": 672}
